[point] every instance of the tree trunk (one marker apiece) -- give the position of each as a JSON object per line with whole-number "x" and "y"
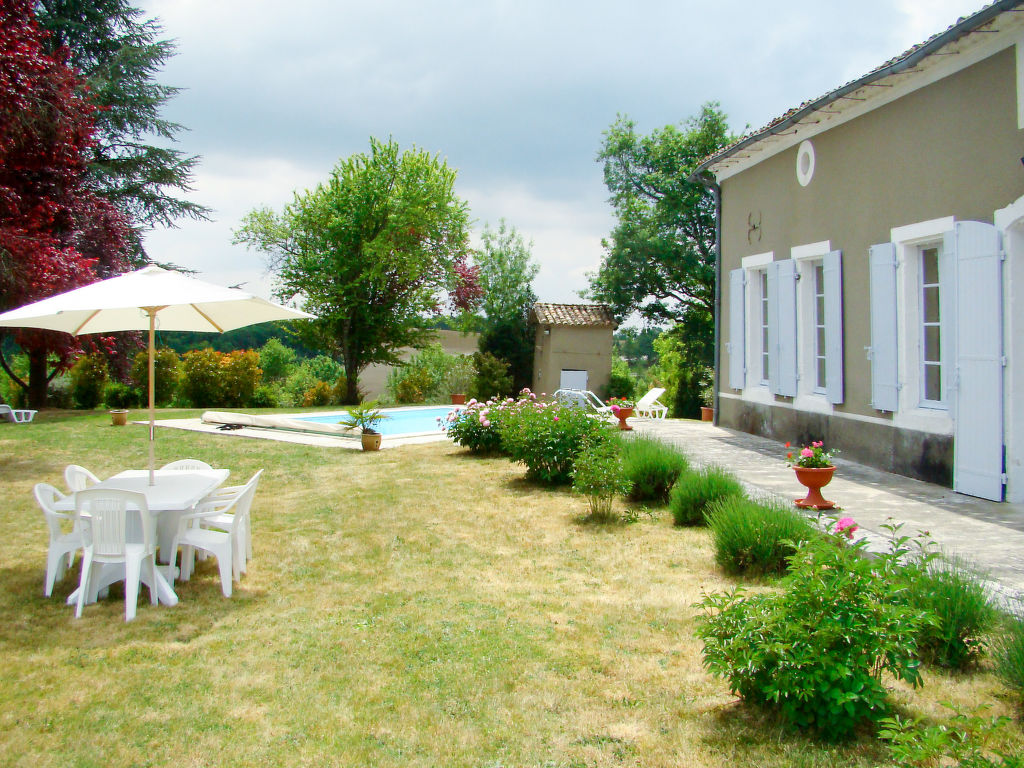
{"x": 37, "y": 379}
{"x": 351, "y": 383}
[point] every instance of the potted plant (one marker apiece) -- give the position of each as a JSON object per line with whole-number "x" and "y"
{"x": 119, "y": 417}
{"x": 459, "y": 378}
{"x": 366, "y": 416}
{"x": 814, "y": 468}
{"x": 707, "y": 395}
{"x": 622, "y": 409}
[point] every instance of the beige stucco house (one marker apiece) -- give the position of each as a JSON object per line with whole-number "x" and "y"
{"x": 872, "y": 264}
{"x": 573, "y": 347}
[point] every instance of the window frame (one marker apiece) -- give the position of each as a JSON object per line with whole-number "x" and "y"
{"x": 809, "y": 397}
{"x": 754, "y": 266}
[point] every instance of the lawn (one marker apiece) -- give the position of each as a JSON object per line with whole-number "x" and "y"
{"x": 413, "y": 607}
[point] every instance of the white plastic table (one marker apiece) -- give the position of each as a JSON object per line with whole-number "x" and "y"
{"x": 175, "y": 492}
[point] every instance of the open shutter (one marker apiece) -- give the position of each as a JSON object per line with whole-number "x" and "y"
{"x": 977, "y": 344}
{"x": 832, "y": 265}
{"x": 772, "y": 289}
{"x": 737, "y": 329}
{"x": 785, "y": 348}
{"x": 882, "y": 352}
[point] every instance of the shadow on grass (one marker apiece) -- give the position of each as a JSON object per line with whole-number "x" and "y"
{"x": 30, "y": 620}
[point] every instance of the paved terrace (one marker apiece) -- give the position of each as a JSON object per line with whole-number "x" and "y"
{"x": 989, "y": 535}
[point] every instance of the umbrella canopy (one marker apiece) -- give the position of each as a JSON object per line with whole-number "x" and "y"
{"x": 144, "y": 300}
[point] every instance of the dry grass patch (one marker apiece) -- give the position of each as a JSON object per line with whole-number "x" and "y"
{"x": 413, "y": 607}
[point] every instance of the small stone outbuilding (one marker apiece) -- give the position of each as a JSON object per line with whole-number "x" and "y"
{"x": 572, "y": 347}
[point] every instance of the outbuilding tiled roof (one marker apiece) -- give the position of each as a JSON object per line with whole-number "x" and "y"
{"x": 574, "y": 314}
{"x": 856, "y": 92}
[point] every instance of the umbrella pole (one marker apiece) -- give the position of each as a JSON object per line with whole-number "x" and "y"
{"x": 151, "y": 311}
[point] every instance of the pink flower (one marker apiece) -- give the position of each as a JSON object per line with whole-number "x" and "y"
{"x": 806, "y": 452}
{"x": 472, "y": 402}
{"x": 847, "y": 525}
{"x": 818, "y": 444}
{"x": 616, "y": 409}
{"x": 556, "y": 418}
{"x": 485, "y": 423}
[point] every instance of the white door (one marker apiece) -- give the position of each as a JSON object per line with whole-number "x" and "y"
{"x": 978, "y": 380}
{"x": 571, "y": 379}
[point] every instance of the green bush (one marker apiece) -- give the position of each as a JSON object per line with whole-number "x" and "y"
{"x": 425, "y": 376}
{"x": 474, "y": 427}
{"x": 816, "y": 650}
{"x": 201, "y": 378}
{"x": 547, "y": 438}
{"x": 410, "y": 386}
{"x": 460, "y": 374}
{"x": 167, "y": 372}
{"x": 597, "y": 474}
{"x": 58, "y": 395}
{"x": 966, "y": 739}
{"x": 651, "y": 467}
{"x": 276, "y": 360}
{"x": 266, "y": 396}
{"x": 492, "y": 377}
{"x": 1008, "y": 653}
{"x": 620, "y": 381}
{"x": 953, "y": 594}
{"x": 694, "y": 492}
{"x": 240, "y": 371}
{"x": 755, "y": 538}
{"x": 88, "y": 379}
{"x": 119, "y": 395}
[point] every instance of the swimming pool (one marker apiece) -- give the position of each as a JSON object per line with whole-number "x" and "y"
{"x": 399, "y": 421}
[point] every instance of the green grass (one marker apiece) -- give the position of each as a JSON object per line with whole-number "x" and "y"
{"x": 412, "y": 607}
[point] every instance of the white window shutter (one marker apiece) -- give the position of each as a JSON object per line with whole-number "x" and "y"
{"x": 884, "y": 382}
{"x": 772, "y": 282}
{"x": 785, "y": 348}
{"x": 737, "y": 329}
{"x": 832, "y": 265}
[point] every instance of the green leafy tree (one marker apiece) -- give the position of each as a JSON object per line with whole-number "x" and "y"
{"x": 371, "y": 250}
{"x": 506, "y": 274}
{"x": 119, "y": 53}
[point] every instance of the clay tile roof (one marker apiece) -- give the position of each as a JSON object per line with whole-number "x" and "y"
{"x": 574, "y": 314}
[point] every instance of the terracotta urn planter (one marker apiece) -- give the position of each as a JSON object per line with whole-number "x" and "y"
{"x": 707, "y": 414}
{"x": 814, "y": 479}
{"x": 371, "y": 441}
{"x": 458, "y": 399}
{"x": 119, "y": 417}
{"x": 623, "y": 414}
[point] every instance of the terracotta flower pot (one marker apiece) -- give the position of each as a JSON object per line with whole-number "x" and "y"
{"x": 623, "y": 414}
{"x": 371, "y": 441}
{"x": 814, "y": 479}
{"x": 458, "y": 399}
{"x": 707, "y": 414}
{"x": 119, "y": 418}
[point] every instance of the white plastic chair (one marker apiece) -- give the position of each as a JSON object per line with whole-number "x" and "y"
{"x": 194, "y": 465}
{"x": 227, "y": 545}
{"x": 106, "y": 521}
{"x": 16, "y": 415}
{"x": 79, "y": 478}
{"x": 650, "y": 406}
{"x": 582, "y": 398}
{"x": 222, "y": 520}
{"x": 63, "y": 545}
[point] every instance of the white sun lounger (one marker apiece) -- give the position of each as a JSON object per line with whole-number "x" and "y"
{"x": 16, "y": 416}
{"x": 650, "y": 406}
{"x": 582, "y": 398}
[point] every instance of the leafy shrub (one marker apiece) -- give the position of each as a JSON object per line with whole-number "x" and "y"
{"x": 201, "y": 378}
{"x": 425, "y": 375}
{"x": 460, "y": 374}
{"x": 88, "y": 378}
{"x": 240, "y": 371}
{"x": 276, "y": 360}
{"x": 694, "y": 492}
{"x": 119, "y": 395}
{"x": 410, "y": 386}
{"x": 954, "y": 595}
{"x": 58, "y": 395}
{"x": 324, "y": 368}
{"x": 307, "y": 375}
{"x": 167, "y": 372}
{"x": 620, "y": 381}
{"x": 651, "y": 467}
{"x": 492, "y": 377}
{"x": 754, "y": 538}
{"x": 478, "y": 426}
{"x": 1008, "y": 653}
{"x": 266, "y": 396}
{"x": 815, "y": 651}
{"x": 965, "y": 739}
{"x": 547, "y": 438}
{"x": 597, "y": 474}
{"x": 320, "y": 393}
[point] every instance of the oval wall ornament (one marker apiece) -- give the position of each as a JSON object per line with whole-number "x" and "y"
{"x": 805, "y": 163}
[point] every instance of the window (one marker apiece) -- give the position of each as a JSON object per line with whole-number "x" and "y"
{"x": 762, "y": 281}
{"x": 932, "y": 390}
{"x": 818, "y": 270}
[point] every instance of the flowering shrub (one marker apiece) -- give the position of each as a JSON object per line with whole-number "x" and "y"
{"x": 547, "y": 438}
{"x": 816, "y": 650}
{"x": 846, "y": 526}
{"x": 811, "y": 456}
{"x": 620, "y": 402}
{"x": 478, "y": 425}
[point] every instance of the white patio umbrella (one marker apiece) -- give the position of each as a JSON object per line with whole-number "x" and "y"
{"x": 144, "y": 300}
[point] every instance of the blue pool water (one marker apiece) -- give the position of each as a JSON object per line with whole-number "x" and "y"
{"x": 407, "y": 421}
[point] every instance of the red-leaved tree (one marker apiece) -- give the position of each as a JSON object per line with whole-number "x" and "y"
{"x": 55, "y": 232}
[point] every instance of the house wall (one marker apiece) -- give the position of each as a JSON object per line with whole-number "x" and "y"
{"x": 558, "y": 347}
{"x": 950, "y": 149}
{"x": 374, "y": 378}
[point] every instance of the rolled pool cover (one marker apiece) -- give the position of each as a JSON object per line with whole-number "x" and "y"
{"x": 276, "y": 422}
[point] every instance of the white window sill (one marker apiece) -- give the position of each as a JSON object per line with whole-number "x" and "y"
{"x": 812, "y": 401}
{"x": 758, "y": 395}
{"x": 925, "y": 420}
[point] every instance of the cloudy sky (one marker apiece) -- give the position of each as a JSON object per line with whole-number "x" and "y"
{"x": 515, "y": 95}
